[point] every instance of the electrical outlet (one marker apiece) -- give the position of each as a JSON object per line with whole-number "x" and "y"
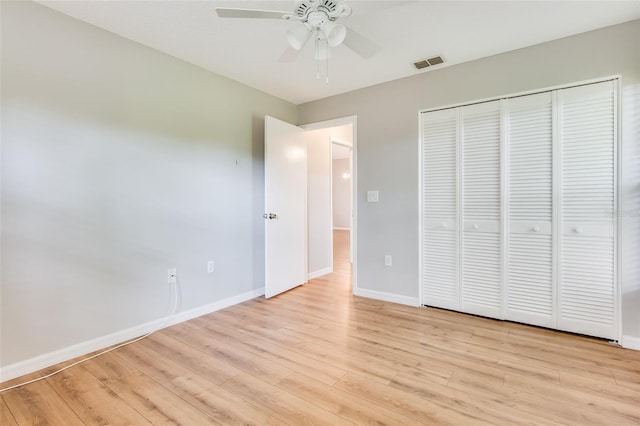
{"x": 171, "y": 275}
{"x": 211, "y": 267}
{"x": 388, "y": 260}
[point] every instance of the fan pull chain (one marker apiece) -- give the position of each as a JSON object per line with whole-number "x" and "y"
{"x": 317, "y": 57}
{"x": 322, "y": 52}
{"x": 327, "y": 75}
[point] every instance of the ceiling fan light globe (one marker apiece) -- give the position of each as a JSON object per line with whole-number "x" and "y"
{"x": 298, "y": 36}
{"x": 334, "y": 33}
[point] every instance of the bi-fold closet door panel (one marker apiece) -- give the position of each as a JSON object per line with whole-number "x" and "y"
{"x": 440, "y": 263}
{"x": 481, "y": 262}
{"x": 587, "y": 237}
{"x": 530, "y": 285}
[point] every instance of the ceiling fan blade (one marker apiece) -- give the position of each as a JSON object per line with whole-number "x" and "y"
{"x": 360, "y": 44}
{"x": 250, "y": 13}
{"x": 289, "y": 55}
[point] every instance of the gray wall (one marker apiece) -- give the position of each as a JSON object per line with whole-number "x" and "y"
{"x": 320, "y": 252}
{"x": 341, "y": 194}
{"x": 388, "y": 145}
{"x": 119, "y": 162}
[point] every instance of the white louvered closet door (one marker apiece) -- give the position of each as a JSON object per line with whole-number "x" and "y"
{"x": 519, "y": 202}
{"x": 530, "y": 285}
{"x": 587, "y": 290}
{"x": 481, "y": 201}
{"x": 440, "y": 241}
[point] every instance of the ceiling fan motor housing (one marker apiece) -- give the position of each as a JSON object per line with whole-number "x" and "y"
{"x": 318, "y": 16}
{"x": 306, "y": 10}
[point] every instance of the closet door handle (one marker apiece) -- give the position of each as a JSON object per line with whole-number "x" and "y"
{"x": 536, "y": 229}
{"x": 444, "y": 225}
{"x": 476, "y": 226}
{"x": 578, "y": 230}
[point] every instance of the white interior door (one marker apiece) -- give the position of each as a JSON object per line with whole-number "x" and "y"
{"x": 285, "y": 207}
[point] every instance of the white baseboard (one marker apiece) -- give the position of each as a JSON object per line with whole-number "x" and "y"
{"x": 321, "y": 272}
{"x": 21, "y": 368}
{"x": 631, "y": 342}
{"x": 387, "y": 297}
{"x": 336, "y": 228}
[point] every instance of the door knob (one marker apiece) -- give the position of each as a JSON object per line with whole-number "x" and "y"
{"x": 476, "y": 227}
{"x": 536, "y": 229}
{"x": 578, "y": 230}
{"x": 444, "y": 225}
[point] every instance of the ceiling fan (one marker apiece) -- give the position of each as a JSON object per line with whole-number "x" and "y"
{"x": 318, "y": 19}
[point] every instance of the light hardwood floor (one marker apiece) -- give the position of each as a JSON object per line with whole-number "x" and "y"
{"x": 318, "y": 355}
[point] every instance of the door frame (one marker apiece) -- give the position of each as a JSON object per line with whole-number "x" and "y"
{"x": 353, "y": 121}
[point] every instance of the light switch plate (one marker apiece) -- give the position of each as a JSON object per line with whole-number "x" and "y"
{"x": 372, "y": 196}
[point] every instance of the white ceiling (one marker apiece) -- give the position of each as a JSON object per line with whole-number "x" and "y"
{"x": 249, "y": 50}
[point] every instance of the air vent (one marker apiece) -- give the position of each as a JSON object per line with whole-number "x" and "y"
{"x": 424, "y": 63}
{"x": 436, "y": 60}
{"x": 421, "y": 64}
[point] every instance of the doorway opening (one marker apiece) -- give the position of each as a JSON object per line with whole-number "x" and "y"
{"x": 332, "y": 198}
{"x": 298, "y": 201}
{"x": 341, "y": 204}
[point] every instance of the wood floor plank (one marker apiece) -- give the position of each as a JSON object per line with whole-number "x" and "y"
{"x": 325, "y": 354}
{"x": 162, "y": 369}
{"x": 281, "y": 404}
{"x": 488, "y": 406}
{"x": 197, "y": 361}
{"x": 156, "y": 403}
{"x": 593, "y": 403}
{"x": 281, "y": 355}
{"x": 201, "y": 392}
{"x": 92, "y": 401}
{"x": 341, "y": 403}
{"x": 588, "y": 384}
{"x": 109, "y": 367}
{"x": 6, "y": 418}
{"x": 408, "y": 404}
{"x": 553, "y": 410}
{"x": 531, "y": 406}
{"x": 630, "y": 381}
{"x": 357, "y": 363}
{"x": 221, "y": 404}
{"x": 39, "y": 404}
{"x": 231, "y": 353}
